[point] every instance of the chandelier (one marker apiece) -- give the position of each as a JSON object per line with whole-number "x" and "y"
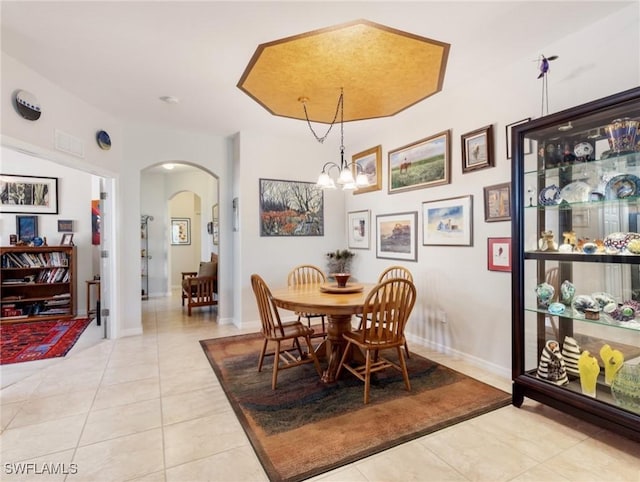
{"x": 345, "y": 170}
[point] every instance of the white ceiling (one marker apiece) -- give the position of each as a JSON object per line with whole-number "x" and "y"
{"x": 122, "y": 56}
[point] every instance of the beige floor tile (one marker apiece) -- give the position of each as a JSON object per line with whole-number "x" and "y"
{"x": 202, "y": 437}
{"x": 124, "y": 373}
{"x": 154, "y": 477}
{"x": 543, "y": 472}
{"x": 416, "y": 463}
{"x": 33, "y": 441}
{"x": 38, "y": 410}
{"x": 477, "y": 454}
{"x": 343, "y": 474}
{"x": 611, "y": 458}
{"x": 125, "y": 393}
{"x": 178, "y": 381}
{"x": 7, "y": 412}
{"x": 121, "y": 420}
{"x": 121, "y": 458}
{"x": 235, "y": 465}
{"x": 196, "y": 404}
{"x": 59, "y": 384}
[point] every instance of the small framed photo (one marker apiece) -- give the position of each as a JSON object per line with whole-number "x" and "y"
{"x": 215, "y": 224}
{"x": 425, "y": 163}
{"x": 499, "y": 254}
{"x": 448, "y": 222}
{"x": 508, "y": 128}
{"x": 369, "y": 163}
{"x": 27, "y": 228}
{"x": 180, "y": 231}
{"x": 65, "y": 226}
{"x": 359, "y": 229}
{"x": 497, "y": 202}
{"x": 13, "y": 239}
{"x": 396, "y": 236}
{"x": 477, "y": 149}
{"x": 67, "y": 239}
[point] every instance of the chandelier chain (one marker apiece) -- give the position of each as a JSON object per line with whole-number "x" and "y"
{"x": 339, "y": 108}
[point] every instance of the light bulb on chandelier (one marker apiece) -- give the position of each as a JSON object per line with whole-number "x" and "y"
{"x": 345, "y": 175}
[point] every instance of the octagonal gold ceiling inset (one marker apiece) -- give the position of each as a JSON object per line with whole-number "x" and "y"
{"x": 382, "y": 71}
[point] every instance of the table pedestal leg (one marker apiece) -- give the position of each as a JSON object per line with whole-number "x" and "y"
{"x": 335, "y": 344}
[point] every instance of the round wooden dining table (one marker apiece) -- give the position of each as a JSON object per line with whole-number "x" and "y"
{"x": 339, "y": 307}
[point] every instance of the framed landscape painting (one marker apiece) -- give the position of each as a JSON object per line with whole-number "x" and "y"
{"x": 396, "y": 236}
{"x": 370, "y": 162}
{"x": 497, "y": 202}
{"x": 291, "y": 208}
{"x": 424, "y": 163}
{"x": 448, "y": 222}
{"x": 28, "y": 194}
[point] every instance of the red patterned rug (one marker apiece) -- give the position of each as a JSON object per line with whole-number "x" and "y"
{"x": 38, "y": 340}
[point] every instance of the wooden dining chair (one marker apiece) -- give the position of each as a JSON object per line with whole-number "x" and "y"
{"x": 304, "y": 274}
{"x": 389, "y": 273}
{"x": 386, "y": 311}
{"x": 274, "y": 330}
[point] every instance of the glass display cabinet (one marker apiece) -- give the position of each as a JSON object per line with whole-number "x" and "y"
{"x": 576, "y": 261}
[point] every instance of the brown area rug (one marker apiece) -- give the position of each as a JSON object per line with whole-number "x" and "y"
{"x": 304, "y": 427}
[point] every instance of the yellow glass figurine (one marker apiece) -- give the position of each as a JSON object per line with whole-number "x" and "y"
{"x": 612, "y": 361}
{"x": 589, "y": 371}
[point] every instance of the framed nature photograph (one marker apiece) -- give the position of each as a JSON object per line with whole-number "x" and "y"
{"x": 291, "y": 208}
{"x": 28, "y": 194}
{"x": 499, "y": 254}
{"x": 359, "y": 229}
{"x": 448, "y": 222}
{"x": 180, "y": 231}
{"x": 477, "y": 149}
{"x": 527, "y": 143}
{"x": 370, "y": 162}
{"x": 27, "y": 228}
{"x": 396, "y": 236}
{"x": 425, "y": 163}
{"x": 497, "y": 202}
{"x": 67, "y": 239}
{"x": 215, "y": 225}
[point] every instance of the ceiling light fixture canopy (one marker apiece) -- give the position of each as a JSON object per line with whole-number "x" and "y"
{"x": 345, "y": 176}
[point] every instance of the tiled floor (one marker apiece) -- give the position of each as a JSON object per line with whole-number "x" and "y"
{"x": 149, "y": 408}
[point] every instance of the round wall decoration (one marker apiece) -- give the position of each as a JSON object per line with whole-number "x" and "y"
{"x": 27, "y": 105}
{"x": 103, "y": 140}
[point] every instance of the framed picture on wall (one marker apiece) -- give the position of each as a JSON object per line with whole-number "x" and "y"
{"x": 448, "y": 222}
{"x": 291, "y": 208}
{"x": 369, "y": 163}
{"x": 499, "y": 254}
{"x": 396, "y": 236}
{"x": 497, "y": 202}
{"x": 359, "y": 229}
{"x": 28, "y": 194}
{"x": 65, "y": 226}
{"x": 477, "y": 149}
{"x": 180, "y": 231}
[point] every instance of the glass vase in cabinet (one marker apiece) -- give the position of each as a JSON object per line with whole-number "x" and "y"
{"x": 576, "y": 261}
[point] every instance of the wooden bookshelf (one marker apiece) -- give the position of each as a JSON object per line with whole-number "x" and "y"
{"x": 38, "y": 283}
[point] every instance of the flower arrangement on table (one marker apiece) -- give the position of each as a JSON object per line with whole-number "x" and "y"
{"x": 339, "y": 261}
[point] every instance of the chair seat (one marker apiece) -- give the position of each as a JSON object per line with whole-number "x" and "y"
{"x": 292, "y": 329}
{"x": 355, "y": 337}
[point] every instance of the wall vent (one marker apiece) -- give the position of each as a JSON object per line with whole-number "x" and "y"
{"x": 69, "y": 144}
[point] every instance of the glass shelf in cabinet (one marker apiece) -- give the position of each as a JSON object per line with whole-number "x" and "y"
{"x": 630, "y": 200}
{"x": 605, "y": 320}
{"x": 622, "y": 162}
{"x": 583, "y": 257}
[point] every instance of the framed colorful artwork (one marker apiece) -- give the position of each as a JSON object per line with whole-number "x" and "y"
{"x": 28, "y": 194}
{"x": 477, "y": 149}
{"x": 448, "y": 222}
{"x": 425, "y": 163}
{"x": 396, "y": 236}
{"x": 180, "y": 231}
{"x": 499, "y": 254}
{"x": 65, "y": 225}
{"x": 497, "y": 202}
{"x": 291, "y": 208}
{"x": 359, "y": 229}
{"x": 369, "y": 163}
